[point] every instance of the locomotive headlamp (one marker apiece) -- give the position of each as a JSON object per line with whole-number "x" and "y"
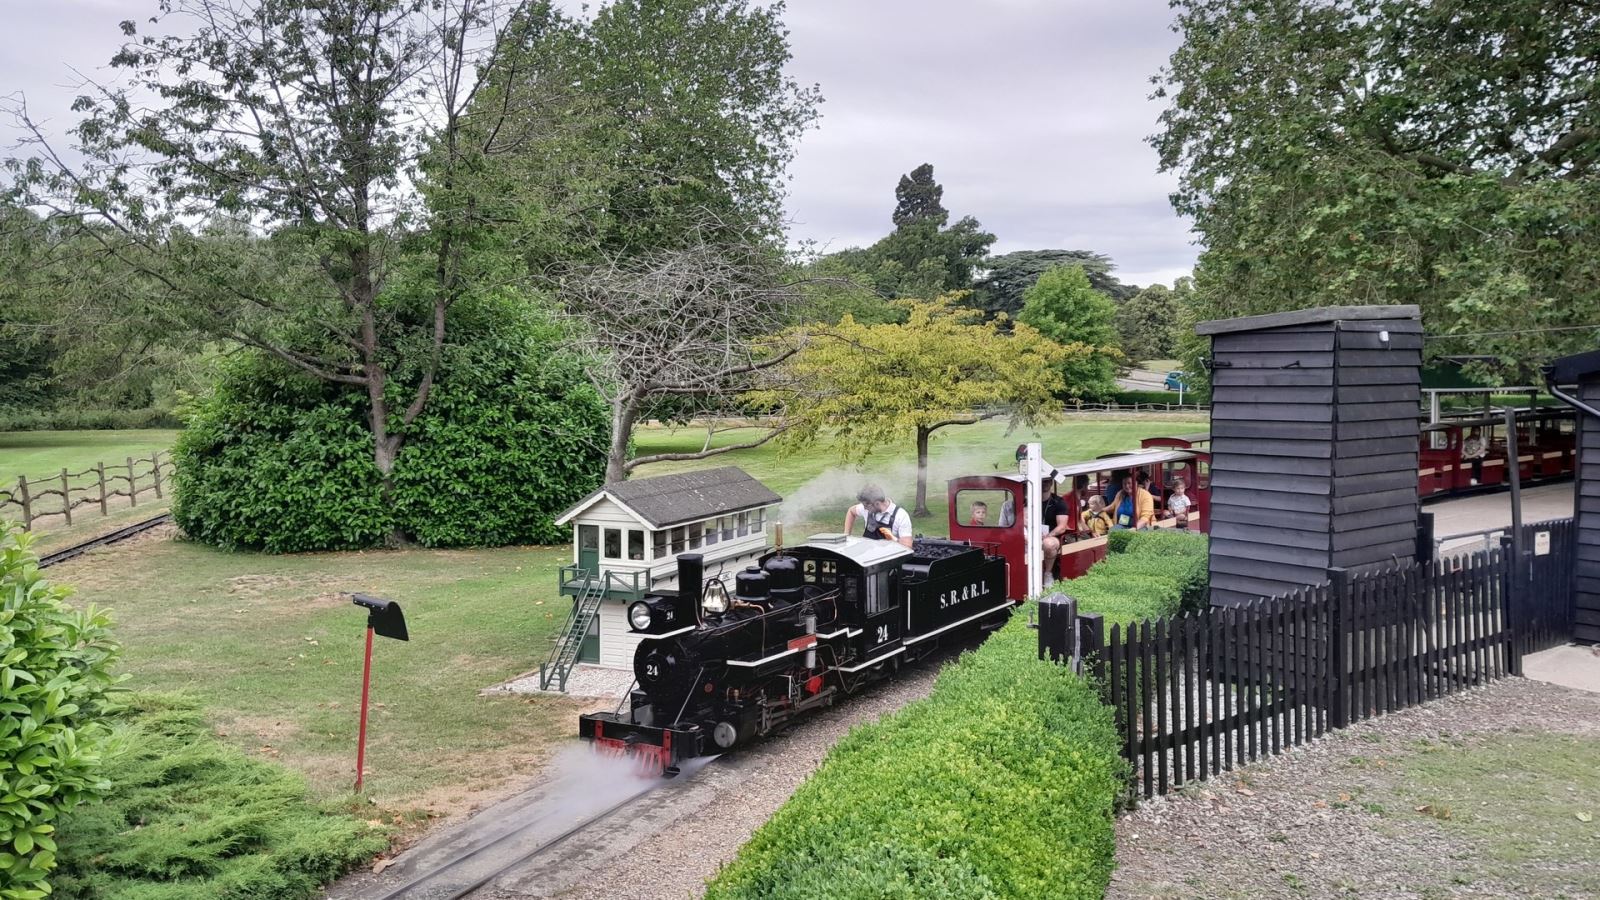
{"x": 639, "y": 616}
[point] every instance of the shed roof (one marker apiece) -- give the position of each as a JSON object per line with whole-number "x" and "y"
{"x": 667, "y": 500}
{"x": 1570, "y": 369}
{"x": 1308, "y": 317}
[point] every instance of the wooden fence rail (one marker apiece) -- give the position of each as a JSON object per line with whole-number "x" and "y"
{"x": 61, "y": 496}
{"x": 1198, "y": 694}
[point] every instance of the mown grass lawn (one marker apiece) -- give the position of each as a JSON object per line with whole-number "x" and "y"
{"x": 38, "y": 454}
{"x": 272, "y": 648}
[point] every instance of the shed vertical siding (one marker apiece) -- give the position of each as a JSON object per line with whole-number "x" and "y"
{"x": 1314, "y": 429}
{"x": 1586, "y": 624}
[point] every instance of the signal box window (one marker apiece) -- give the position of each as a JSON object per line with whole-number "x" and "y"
{"x": 635, "y": 544}
{"x": 678, "y": 536}
{"x": 984, "y": 509}
{"x": 613, "y": 543}
{"x": 658, "y": 541}
{"x": 694, "y": 536}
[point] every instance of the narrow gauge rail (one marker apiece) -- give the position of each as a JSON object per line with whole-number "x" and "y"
{"x": 447, "y": 881}
{"x": 120, "y": 534}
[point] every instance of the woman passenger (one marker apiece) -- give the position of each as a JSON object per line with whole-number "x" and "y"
{"x": 1133, "y": 507}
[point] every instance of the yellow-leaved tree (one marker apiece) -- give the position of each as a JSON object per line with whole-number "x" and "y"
{"x": 942, "y": 366}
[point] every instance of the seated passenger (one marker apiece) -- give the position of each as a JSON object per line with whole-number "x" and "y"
{"x": 1178, "y": 504}
{"x": 979, "y": 515}
{"x": 1008, "y": 514}
{"x": 1133, "y": 507}
{"x": 1053, "y": 517}
{"x": 1080, "y": 491}
{"x": 1113, "y": 485}
{"x": 1096, "y": 521}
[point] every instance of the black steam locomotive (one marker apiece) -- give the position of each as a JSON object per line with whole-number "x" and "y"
{"x": 809, "y": 625}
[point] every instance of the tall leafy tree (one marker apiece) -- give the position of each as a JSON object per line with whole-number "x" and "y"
{"x": 1387, "y": 151}
{"x": 669, "y": 122}
{"x": 918, "y": 198}
{"x": 265, "y": 164}
{"x": 1148, "y": 322}
{"x": 1065, "y": 308}
{"x": 1005, "y": 277}
{"x": 942, "y": 366}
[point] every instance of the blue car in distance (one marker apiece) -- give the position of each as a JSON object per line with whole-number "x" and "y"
{"x": 1175, "y": 382}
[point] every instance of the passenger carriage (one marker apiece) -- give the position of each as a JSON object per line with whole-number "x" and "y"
{"x": 1546, "y": 441}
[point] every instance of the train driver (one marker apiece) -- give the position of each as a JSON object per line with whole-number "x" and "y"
{"x": 881, "y": 518}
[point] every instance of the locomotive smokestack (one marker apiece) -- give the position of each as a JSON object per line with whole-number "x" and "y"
{"x": 691, "y": 583}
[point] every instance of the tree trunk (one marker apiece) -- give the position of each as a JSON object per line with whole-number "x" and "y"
{"x": 923, "y": 432}
{"x": 623, "y": 413}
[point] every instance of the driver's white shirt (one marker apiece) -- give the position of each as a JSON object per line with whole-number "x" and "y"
{"x": 899, "y": 525}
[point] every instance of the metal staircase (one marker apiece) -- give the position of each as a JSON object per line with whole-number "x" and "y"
{"x": 564, "y": 655}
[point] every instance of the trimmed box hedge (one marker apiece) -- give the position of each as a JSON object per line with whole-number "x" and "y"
{"x": 1002, "y": 783}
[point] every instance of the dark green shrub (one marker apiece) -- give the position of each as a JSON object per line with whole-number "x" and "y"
{"x": 210, "y": 821}
{"x": 277, "y": 461}
{"x": 55, "y": 690}
{"x": 1002, "y": 783}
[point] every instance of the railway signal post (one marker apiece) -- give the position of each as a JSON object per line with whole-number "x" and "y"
{"x": 384, "y": 619}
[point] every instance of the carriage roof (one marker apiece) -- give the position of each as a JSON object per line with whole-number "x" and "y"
{"x": 1127, "y": 459}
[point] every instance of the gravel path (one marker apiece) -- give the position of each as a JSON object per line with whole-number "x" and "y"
{"x": 1335, "y": 818}
{"x": 723, "y": 805}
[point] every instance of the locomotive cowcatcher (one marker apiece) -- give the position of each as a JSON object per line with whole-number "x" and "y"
{"x": 807, "y": 626}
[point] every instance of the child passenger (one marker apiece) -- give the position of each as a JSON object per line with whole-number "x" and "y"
{"x": 1178, "y": 503}
{"x": 1096, "y": 522}
{"x": 980, "y": 514}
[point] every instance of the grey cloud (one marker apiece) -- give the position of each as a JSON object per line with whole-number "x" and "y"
{"x": 1033, "y": 112}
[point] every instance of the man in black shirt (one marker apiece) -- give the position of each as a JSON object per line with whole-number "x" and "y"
{"x": 1053, "y": 517}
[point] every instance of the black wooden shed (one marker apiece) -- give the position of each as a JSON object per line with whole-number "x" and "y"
{"x": 1314, "y": 429}
{"x": 1583, "y": 371}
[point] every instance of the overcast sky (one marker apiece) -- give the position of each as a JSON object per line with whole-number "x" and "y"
{"x": 1032, "y": 112}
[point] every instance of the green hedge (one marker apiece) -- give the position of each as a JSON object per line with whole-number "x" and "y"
{"x": 192, "y": 816}
{"x": 1002, "y": 783}
{"x": 87, "y": 419}
{"x": 1146, "y": 574}
{"x": 276, "y": 461}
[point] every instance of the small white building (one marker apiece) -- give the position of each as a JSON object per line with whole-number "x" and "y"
{"x": 628, "y": 534}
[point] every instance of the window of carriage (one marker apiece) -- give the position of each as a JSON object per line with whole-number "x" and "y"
{"x": 679, "y": 535}
{"x": 613, "y": 547}
{"x": 635, "y": 544}
{"x": 658, "y": 543}
{"x": 744, "y": 524}
{"x": 695, "y": 533}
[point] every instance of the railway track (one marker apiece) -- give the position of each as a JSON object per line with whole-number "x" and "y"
{"x": 478, "y": 865}
{"x": 121, "y": 534}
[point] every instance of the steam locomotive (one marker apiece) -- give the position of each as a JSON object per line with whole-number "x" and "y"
{"x": 809, "y": 625}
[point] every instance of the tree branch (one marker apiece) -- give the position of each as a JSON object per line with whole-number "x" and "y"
{"x": 634, "y": 463}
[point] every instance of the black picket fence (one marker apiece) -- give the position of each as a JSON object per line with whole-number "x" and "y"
{"x": 1198, "y": 694}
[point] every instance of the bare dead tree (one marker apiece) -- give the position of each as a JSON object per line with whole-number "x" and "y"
{"x": 702, "y": 321}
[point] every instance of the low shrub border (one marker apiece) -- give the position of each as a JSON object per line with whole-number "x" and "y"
{"x": 1002, "y": 783}
{"x": 189, "y": 815}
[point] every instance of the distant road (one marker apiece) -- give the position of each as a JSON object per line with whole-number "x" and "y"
{"x": 1143, "y": 380}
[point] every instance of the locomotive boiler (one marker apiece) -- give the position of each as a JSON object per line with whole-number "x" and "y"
{"x": 718, "y": 667}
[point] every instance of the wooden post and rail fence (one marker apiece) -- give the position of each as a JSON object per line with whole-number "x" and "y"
{"x": 69, "y": 494}
{"x": 1201, "y": 693}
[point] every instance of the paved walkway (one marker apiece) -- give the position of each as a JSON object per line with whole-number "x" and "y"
{"x": 1547, "y": 501}
{"x": 1572, "y": 665}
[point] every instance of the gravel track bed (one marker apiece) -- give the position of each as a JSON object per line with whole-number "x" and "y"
{"x": 1297, "y": 825}
{"x": 730, "y": 799}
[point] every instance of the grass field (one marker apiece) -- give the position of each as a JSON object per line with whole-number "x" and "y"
{"x": 37, "y": 454}
{"x": 273, "y": 650}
